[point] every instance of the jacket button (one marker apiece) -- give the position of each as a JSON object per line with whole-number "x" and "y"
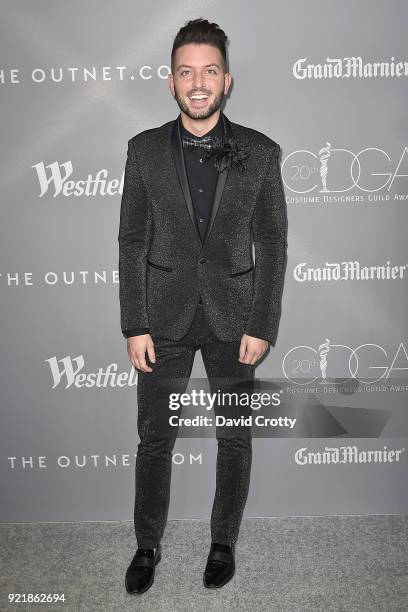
{"x": 203, "y": 260}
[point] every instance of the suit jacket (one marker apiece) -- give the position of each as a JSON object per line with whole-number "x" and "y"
{"x": 164, "y": 266}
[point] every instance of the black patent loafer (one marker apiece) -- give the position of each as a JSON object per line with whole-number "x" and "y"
{"x": 140, "y": 573}
{"x": 220, "y": 566}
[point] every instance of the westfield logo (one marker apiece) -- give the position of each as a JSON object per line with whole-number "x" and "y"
{"x": 56, "y": 177}
{"x": 70, "y": 372}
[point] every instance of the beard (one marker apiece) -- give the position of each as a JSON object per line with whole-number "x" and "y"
{"x": 200, "y": 113}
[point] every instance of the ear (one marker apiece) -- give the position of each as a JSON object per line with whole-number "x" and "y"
{"x": 227, "y": 82}
{"x": 171, "y": 84}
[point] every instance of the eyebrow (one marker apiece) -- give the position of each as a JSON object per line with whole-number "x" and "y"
{"x": 206, "y": 66}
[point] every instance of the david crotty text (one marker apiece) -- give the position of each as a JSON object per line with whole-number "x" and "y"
{"x": 205, "y": 421}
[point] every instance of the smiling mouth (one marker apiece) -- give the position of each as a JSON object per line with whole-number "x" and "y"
{"x": 198, "y": 99}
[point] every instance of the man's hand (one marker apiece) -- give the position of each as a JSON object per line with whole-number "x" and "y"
{"x": 252, "y": 349}
{"x": 137, "y": 347}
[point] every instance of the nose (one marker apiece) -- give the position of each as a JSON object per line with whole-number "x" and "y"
{"x": 198, "y": 80}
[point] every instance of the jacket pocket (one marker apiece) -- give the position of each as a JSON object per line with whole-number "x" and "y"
{"x": 241, "y": 273}
{"x": 167, "y": 269}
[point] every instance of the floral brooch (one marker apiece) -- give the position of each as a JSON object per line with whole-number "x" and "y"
{"x": 227, "y": 151}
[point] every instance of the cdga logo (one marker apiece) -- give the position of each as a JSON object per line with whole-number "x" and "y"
{"x": 367, "y": 363}
{"x": 337, "y": 170}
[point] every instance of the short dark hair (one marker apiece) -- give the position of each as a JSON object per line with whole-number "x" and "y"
{"x": 201, "y": 31}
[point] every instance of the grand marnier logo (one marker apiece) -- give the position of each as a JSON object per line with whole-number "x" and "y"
{"x": 333, "y": 271}
{"x": 70, "y": 372}
{"x": 349, "y": 68}
{"x": 336, "y": 170}
{"x": 347, "y": 454}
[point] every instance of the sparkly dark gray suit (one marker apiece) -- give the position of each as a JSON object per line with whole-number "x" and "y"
{"x": 166, "y": 269}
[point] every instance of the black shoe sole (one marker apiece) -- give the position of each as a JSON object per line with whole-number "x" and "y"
{"x": 149, "y": 584}
{"x": 218, "y": 586}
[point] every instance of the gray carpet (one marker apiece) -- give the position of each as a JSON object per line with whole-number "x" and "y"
{"x": 341, "y": 563}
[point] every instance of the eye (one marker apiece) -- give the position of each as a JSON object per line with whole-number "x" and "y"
{"x": 183, "y": 72}
{"x": 212, "y": 70}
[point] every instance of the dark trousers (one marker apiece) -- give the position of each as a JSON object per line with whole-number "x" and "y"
{"x": 172, "y": 370}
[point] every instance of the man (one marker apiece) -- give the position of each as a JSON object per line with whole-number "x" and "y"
{"x": 199, "y": 193}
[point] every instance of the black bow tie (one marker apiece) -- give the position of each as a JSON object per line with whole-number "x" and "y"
{"x": 205, "y": 142}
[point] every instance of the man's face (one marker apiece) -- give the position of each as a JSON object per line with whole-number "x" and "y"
{"x": 198, "y": 83}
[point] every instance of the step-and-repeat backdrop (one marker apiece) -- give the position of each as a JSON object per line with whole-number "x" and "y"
{"x": 327, "y": 81}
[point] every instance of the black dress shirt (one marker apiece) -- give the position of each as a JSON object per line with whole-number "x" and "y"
{"x": 202, "y": 178}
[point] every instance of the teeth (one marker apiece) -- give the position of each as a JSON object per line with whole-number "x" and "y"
{"x": 198, "y": 97}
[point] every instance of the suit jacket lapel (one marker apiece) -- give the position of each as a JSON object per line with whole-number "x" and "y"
{"x": 222, "y": 178}
{"x": 177, "y": 149}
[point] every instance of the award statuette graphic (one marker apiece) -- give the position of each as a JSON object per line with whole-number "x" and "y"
{"x": 324, "y": 155}
{"x": 324, "y": 348}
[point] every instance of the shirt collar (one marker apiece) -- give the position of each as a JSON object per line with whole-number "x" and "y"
{"x": 217, "y": 130}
